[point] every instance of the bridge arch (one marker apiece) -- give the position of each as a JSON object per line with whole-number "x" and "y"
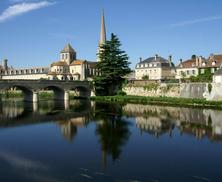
{"x": 59, "y": 93}
{"x": 27, "y": 92}
{"x": 81, "y": 91}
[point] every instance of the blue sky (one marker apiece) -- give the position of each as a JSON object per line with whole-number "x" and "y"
{"x": 32, "y": 32}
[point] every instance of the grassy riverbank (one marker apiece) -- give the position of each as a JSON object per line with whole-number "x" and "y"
{"x": 171, "y": 101}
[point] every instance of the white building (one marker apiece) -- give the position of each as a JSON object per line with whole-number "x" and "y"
{"x": 188, "y": 68}
{"x": 155, "y": 68}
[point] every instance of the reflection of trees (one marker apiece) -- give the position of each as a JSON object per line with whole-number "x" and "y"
{"x": 112, "y": 129}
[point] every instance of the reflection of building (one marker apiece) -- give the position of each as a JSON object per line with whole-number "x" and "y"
{"x": 69, "y": 127}
{"x": 153, "y": 125}
{"x": 158, "y": 119}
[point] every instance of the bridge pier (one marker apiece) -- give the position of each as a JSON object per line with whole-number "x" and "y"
{"x": 66, "y": 95}
{"x": 92, "y": 94}
{"x": 31, "y": 96}
{"x": 35, "y": 97}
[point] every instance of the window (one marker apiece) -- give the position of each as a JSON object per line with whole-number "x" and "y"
{"x": 202, "y": 71}
{"x": 193, "y": 72}
{"x": 212, "y": 70}
{"x": 188, "y": 72}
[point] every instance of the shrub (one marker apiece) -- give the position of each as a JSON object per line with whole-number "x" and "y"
{"x": 145, "y": 77}
{"x": 120, "y": 92}
{"x": 209, "y": 87}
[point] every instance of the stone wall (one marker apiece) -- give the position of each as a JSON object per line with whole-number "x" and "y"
{"x": 154, "y": 90}
{"x": 184, "y": 90}
{"x": 215, "y": 93}
{"x": 192, "y": 90}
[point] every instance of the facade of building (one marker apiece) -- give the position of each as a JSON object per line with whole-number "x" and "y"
{"x": 71, "y": 68}
{"x": 198, "y": 66}
{"x": 217, "y": 78}
{"x": 211, "y": 65}
{"x": 187, "y": 68}
{"x": 155, "y": 68}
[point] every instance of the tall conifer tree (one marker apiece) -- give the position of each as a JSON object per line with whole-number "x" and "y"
{"x": 113, "y": 66}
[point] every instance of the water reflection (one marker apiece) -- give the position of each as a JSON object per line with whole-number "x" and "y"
{"x": 112, "y": 130}
{"x": 158, "y": 120}
{"x": 68, "y": 141}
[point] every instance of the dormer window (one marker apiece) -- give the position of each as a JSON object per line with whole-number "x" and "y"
{"x": 203, "y": 64}
{"x": 213, "y": 63}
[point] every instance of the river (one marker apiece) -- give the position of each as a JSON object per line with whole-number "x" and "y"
{"x": 83, "y": 141}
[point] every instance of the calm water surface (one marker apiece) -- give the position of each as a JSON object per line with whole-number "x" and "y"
{"x": 92, "y": 141}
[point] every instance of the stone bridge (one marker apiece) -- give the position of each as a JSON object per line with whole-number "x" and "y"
{"x": 61, "y": 89}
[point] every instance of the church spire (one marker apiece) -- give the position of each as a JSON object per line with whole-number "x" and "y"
{"x": 103, "y": 30}
{"x": 102, "y": 36}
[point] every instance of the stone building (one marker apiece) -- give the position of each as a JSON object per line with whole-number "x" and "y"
{"x": 68, "y": 67}
{"x": 187, "y": 68}
{"x": 211, "y": 65}
{"x": 198, "y": 65}
{"x": 155, "y": 68}
{"x": 217, "y": 78}
{"x": 71, "y": 68}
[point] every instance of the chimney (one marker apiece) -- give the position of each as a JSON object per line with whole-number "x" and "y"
{"x": 5, "y": 64}
{"x": 170, "y": 60}
{"x": 197, "y": 61}
{"x": 181, "y": 61}
{"x": 141, "y": 59}
{"x": 200, "y": 60}
{"x": 156, "y": 56}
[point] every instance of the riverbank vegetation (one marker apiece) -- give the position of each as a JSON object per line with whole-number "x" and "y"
{"x": 171, "y": 101}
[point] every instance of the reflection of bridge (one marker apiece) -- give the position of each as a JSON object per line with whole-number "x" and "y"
{"x": 61, "y": 89}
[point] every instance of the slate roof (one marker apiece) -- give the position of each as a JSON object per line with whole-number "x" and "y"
{"x": 162, "y": 61}
{"x": 68, "y": 49}
{"x": 152, "y": 59}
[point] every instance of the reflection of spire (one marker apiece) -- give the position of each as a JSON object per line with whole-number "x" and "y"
{"x": 104, "y": 158}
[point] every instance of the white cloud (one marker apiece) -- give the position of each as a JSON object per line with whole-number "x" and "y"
{"x": 21, "y": 8}
{"x": 195, "y": 21}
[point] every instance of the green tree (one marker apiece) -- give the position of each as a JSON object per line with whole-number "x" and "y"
{"x": 113, "y": 66}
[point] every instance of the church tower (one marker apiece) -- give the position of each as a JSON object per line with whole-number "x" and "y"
{"x": 68, "y": 54}
{"x": 102, "y": 35}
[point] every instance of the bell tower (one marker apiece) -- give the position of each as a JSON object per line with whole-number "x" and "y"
{"x": 68, "y": 54}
